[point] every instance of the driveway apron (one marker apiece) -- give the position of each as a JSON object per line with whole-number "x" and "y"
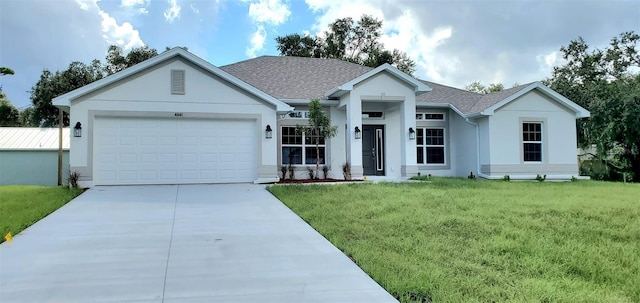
{"x": 178, "y": 243}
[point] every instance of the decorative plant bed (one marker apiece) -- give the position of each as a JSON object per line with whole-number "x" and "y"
{"x": 303, "y": 181}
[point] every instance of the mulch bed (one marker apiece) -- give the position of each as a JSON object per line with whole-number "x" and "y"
{"x": 304, "y": 181}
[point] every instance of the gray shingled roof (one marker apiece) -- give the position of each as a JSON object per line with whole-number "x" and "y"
{"x": 295, "y": 77}
{"x": 462, "y": 99}
{"x": 490, "y": 99}
{"x": 311, "y": 78}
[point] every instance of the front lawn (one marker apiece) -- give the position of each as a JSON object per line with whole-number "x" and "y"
{"x": 459, "y": 240}
{"x": 21, "y": 206}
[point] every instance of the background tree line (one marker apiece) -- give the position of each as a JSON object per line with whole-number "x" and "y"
{"x": 52, "y": 84}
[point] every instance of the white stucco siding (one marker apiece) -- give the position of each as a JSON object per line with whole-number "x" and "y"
{"x": 485, "y": 140}
{"x": 337, "y": 148}
{"x": 463, "y": 146}
{"x": 148, "y": 94}
{"x": 558, "y": 138}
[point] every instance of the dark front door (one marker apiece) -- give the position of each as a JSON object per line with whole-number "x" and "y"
{"x": 373, "y": 150}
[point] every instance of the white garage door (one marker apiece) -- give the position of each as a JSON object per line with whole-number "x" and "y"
{"x": 173, "y": 151}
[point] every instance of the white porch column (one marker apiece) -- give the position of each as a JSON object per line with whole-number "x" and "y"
{"x": 408, "y": 111}
{"x": 354, "y": 146}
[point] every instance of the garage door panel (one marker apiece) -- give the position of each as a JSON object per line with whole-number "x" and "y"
{"x": 173, "y": 151}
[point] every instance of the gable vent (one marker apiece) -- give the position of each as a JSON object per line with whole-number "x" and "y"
{"x": 177, "y": 81}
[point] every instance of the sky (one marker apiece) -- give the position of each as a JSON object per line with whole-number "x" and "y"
{"x": 453, "y": 42}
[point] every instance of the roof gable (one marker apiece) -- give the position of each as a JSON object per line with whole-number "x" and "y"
{"x": 496, "y": 101}
{"x": 64, "y": 101}
{"x": 417, "y": 85}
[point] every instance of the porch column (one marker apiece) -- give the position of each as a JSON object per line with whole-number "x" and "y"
{"x": 354, "y": 146}
{"x": 408, "y": 111}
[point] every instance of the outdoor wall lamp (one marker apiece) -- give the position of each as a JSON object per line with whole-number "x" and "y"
{"x": 268, "y": 132}
{"x": 412, "y": 134}
{"x": 77, "y": 130}
{"x": 358, "y": 133}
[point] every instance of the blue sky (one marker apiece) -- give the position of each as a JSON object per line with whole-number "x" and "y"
{"x": 453, "y": 42}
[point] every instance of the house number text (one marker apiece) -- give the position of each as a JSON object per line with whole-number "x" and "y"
{"x": 178, "y": 114}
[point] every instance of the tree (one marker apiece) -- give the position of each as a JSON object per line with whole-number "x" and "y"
{"x": 604, "y": 82}
{"x": 346, "y": 39}
{"x": 298, "y": 46}
{"x": 9, "y": 115}
{"x": 6, "y": 71}
{"x": 477, "y": 87}
{"x": 116, "y": 61}
{"x": 318, "y": 129}
{"x": 52, "y": 85}
{"x": 27, "y": 118}
{"x": 77, "y": 75}
{"x": 615, "y": 125}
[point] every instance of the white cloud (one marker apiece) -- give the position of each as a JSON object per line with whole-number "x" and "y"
{"x": 172, "y": 12}
{"x": 139, "y": 6}
{"x": 257, "y": 41}
{"x": 401, "y": 29}
{"x": 330, "y": 10}
{"x": 194, "y": 8}
{"x": 84, "y": 4}
{"x": 133, "y": 3}
{"x": 265, "y": 13}
{"x": 274, "y": 12}
{"x": 124, "y": 35}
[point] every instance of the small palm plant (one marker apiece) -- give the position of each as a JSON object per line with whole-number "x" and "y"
{"x": 319, "y": 128}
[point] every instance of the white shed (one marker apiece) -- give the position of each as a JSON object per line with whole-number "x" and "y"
{"x": 29, "y": 156}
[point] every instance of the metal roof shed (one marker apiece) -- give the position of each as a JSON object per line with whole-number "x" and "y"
{"x": 29, "y": 156}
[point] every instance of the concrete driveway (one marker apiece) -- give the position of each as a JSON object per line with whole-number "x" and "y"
{"x": 178, "y": 243}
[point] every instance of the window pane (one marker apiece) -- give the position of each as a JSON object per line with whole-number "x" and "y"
{"x": 310, "y": 155}
{"x": 291, "y": 155}
{"x": 289, "y": 136}
{"x": 434, "y": 116}
{"x": 420, "y": 136}
{"x": 532, "y": 152}
{"x": 435, "y": 155}
{"x": 434, "y": 136}
{"x": 420, "y": 154}
{"x": 310, "y": 139}
{"x": 418, "y": 116}
{"x": 532, "y": 132}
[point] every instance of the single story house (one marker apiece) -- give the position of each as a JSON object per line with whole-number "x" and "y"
{"x": 177, "y": 118}
{"x": 29, "y": 156}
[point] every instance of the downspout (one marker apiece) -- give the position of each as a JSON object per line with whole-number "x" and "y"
{"x": 478, "y": 172}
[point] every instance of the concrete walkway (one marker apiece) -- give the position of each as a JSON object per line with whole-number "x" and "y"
{"x": 186, "y": 243}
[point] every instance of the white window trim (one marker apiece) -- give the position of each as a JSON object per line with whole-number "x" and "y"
{"x": 423, "y": 114}
{"x": 303, "y": 146}
{"x": 424, "y": 146}
{"x": 542, "y": 141}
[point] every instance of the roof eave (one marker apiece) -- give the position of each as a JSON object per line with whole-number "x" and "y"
{"x": 65, "y": 100}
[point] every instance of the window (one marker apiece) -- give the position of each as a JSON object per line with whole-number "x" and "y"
{"x": 431, "y": 145}
{"x": 296, "y": 147}
{"x": 532, "y": 141}
{"x": 430, "y": 116}
{"x": 177, "y": 82}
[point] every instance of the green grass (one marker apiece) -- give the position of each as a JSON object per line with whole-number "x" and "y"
{"x": 459, "y": 240}
{"x": 22, "y": 206}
